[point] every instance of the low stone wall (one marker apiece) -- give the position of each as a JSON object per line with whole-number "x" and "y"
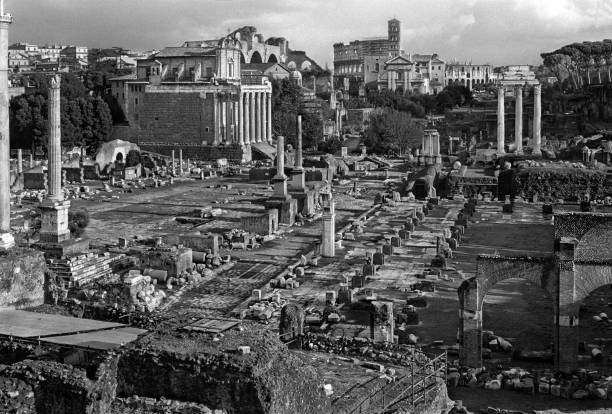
{"x": 22, "y": 278}
{"x": 233, "y": 153}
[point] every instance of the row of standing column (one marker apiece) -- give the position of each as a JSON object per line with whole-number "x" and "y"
{"x": 518, "y": 123}
{"x": 250, "y": 118}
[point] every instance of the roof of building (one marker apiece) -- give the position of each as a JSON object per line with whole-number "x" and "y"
{"x": 183, "y": 52}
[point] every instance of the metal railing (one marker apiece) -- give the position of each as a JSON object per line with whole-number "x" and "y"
{"x": 414, "y": 387}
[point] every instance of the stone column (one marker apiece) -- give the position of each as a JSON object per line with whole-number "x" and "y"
{"x": 172, "y": 170}
{"x": 19, "y": 161}
{"x": 328, "y": 240}
{"x": 216, "y": 119}
{"x": 537, "y": 117}
{"x": 240, "y": 119}
{"x": 259, "y": 113}
{"x": 253, "y": 116}
{"x": 247, "y": 119}
{"x": 54, "y": 210}
{"x": 236, "y": 123}
{"x": 280, "y": 179}
{"x": 500, "y": 120}
{"x": 180, "y": 169}
{"x": 269, "y": 107}
{"x": 405, "y": 82}
{"x": 224, "y": 121}
{"x": 55, "y": 142}
{"x": 298, "y": 150}
{"x": 389, "y": 80}
{"x": 31, "y": 160}
{"x": 518, "y": 121}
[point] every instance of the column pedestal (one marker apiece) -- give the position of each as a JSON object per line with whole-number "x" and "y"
{"x": 54, "y": 221}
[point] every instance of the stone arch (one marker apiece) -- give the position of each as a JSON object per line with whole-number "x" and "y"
{"x": 595, "y": 243}
{"x": 256, "y": 57}
{"x": 272, "y": 58}
{"x": 291, "y": 65}
{"x": 242, "y": 58}
{"x": 119, "y": 157}
{"x": 491, "y": 270}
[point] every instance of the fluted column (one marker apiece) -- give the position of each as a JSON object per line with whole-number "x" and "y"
{"x": 55, "y": 141}
{"x": 518, "y": 119}
{"x": 537, "y": 117}
{"x": 236, "y": 123}
{"x": 216, "y": 126}
{"x": 269, "y": 107}
{"x": 253, "y": 116}
{"x": 259, "y": 112}
{"x": 240, "y": 126}
{"x": 501, "y": 131}
{"x": 247, "y": 119}
{"x": 224, "y": 121}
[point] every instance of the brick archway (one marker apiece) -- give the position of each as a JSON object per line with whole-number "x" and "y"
{"x": 490, "y": 271}
{"x": 582, "y": 263}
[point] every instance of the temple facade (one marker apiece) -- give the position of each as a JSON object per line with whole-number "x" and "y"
{"x": 195, "y": 95}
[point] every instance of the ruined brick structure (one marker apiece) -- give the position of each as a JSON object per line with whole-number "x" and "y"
{"x": 580, "y": 265}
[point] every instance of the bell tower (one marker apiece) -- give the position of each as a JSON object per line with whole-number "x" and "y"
{"x": 394, "y": 36}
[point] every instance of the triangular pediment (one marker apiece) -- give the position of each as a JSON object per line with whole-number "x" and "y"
{"x": 399, "y": 60}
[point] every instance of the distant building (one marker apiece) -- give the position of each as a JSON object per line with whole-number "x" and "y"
{"x": 423, "y": 74}
{"x": 195, "y": 95}
{"x": 355, "y": 62}
{"x": 50, "y": 52}
{"x": 468, "y": 74}
{"x": 19, "y": 61}
{"x": 253, "y": 72}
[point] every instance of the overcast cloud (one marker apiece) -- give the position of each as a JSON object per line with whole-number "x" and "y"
{"x": 484, "y": 31}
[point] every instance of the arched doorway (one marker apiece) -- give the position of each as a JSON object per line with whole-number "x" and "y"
{"x": 119, "y": 157}
{"x": 256, "y": 58}
{"x": 513, "y": 310}
{"x": 272, "y": 59}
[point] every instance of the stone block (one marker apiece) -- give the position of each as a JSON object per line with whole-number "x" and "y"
{"x": 396, "y": 241}
{"x": 22, "y": 278}
{"x": 404, "y": 234}
{"x": 369, "y": 270}
{"x": 387, "y": 249}
{"x": 345, "y": 295}
{"x": 378, "y": 259}
{"x": 357, "y": 282}
{"x": 256, "y": 295}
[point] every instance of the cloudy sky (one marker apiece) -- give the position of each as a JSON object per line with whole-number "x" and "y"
{"x": 484, "y": 31}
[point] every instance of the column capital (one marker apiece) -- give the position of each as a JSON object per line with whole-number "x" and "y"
{"x": 501, "y": 89}
{"x": 55, "y": 81}
{"x": 537, "y": 89}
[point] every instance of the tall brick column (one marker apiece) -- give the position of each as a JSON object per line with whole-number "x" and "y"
{"x": 537, "y": 118}
{"x": 253, "y": 116}
{"x": 518, "y": 121}
{"x": 54, "y": 210}
{"x": 269, "y": 107}
{"x": 501, "y": 130}
{"x": 6, "y": 239}
{"x": 55, "y": 141}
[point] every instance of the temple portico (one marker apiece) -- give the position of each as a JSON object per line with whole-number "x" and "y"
{"x": 430, "y": 153}
{"x": 519, "y": 82}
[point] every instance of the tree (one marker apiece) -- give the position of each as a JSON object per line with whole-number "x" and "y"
{"x": 390, "y": 130}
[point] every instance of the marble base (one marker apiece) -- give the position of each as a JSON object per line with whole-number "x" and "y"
{"x": 54, "y": 226}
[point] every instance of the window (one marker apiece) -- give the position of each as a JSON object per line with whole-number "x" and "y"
{"x": 157, "y": 118}
{"x": 209, "y": 71}
{"x": 136, "y": 101}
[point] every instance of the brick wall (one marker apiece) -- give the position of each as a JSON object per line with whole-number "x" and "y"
{"x": 176, "y": 117}
{"x": 233, "y": 153}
